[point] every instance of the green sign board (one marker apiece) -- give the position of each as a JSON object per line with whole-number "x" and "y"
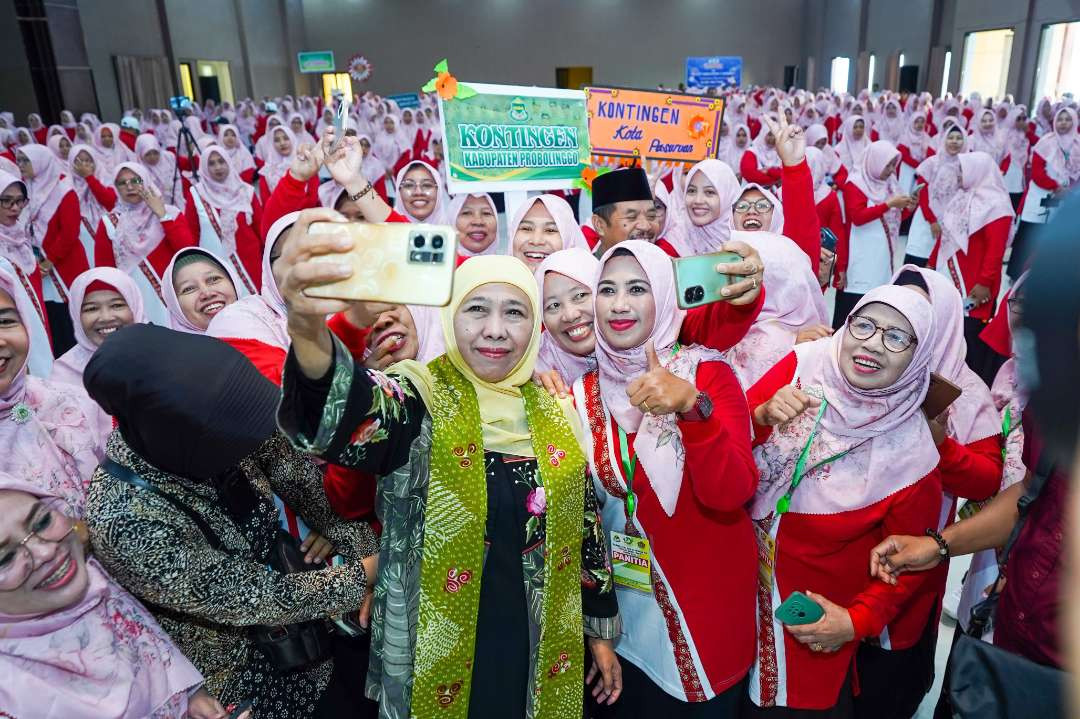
{"x": 318, "y": 61}
{"x": 508, "y": 138}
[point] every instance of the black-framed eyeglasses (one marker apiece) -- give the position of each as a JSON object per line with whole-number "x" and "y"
{"x": 762, "y": 206}
{"x": 894, "y": 338}
{"x": 9, "y": 202}
{"x": 53, "y": 520}
{"x": 1016, "y": 304}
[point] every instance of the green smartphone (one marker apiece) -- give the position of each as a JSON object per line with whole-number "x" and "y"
{"x": 697, "y": 282}
{"x": 799, "y": 609}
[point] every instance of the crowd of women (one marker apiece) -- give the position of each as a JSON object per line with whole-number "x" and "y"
{"x": 560, "y": 493}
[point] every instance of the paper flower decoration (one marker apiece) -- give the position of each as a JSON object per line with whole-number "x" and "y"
{"x": 359, "y": 68}
{"x": 588, "y": 175}
{"x": 447, "y": 85}
{"x": 699, "y": 127}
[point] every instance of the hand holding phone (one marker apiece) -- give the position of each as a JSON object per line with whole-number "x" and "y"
{"x": 799, "y": 609}
{"x": 697, "y": 282}
{"x": 392, "y": 262}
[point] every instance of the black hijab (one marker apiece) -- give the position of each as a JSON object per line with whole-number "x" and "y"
{"x": 188, "y": 404}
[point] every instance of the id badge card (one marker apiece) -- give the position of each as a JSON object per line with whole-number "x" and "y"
{"x": 766, "y": 546}
{"x": 631, "y": 562}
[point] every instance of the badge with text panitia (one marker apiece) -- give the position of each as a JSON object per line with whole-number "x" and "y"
{"x": 630, "y": 562}
{"x": 653, "y": 125}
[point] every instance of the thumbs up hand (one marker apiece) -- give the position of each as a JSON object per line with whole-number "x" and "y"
{"x": 659, "y": 392}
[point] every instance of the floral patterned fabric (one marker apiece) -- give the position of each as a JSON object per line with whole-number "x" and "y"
{"x": 206, "y": 599}
{"x": 371, "y": 421}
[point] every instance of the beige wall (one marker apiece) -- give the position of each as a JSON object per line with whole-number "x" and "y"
{"x": 629, "y": 42}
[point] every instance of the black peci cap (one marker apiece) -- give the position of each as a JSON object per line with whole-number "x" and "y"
{"x": 628, "y": 185}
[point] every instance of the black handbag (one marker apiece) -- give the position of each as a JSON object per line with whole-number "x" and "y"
{"x": 987, "y": 682}
{"x": 288, "y": 647}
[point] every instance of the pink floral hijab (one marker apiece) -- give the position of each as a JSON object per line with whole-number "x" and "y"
{"x": 793, "y": 300}
{"x": 881, "y": 435}
{"x": 103, "y": 657}
{"x": 456, "y": 203}
{"x": 658, "y": 444}
{"x": 47, "y": 428}
{"x": 848, "y": 148}
{"x": 231, "y": 198}
{"x": 866, "y": 175}
{"x": 138, "y": 230}
{"x": 438, "y": 215}
{"x": 164, "y": 172}
{"x": 48, "y": 188}
{"x": 981, "y": 199}
{"x": 1061, "y": 152}
{"x": 277, "y": 164}
{"x": 971, "y": 417}
{"x": 569, "y": 229}
{"x": 687, "y": 238}
{"x": 69, "y": 368}
{"x": 89, "y": 206}
{"x": 177, "y": 320}
{"x": 16, "y": 245}
{"x": 776, "y": 225}
{"x": 111, "y": 157}
{"x": 582, "y": 267}
{"x": 240, "y": 156}
{"x": 766, "y": 156}
{"x": 259, "y": 317}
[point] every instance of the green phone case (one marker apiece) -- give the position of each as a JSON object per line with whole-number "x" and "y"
{"x": 799, "y": 609}
{"x": 697, "y": 282}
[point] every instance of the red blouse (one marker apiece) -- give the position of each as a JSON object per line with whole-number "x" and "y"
{"x": 249, "y": 246}
{"x": 829, "y": 555}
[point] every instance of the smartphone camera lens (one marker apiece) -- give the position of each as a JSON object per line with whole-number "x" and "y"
{"x": 694, "y": 294}
{"x": 437, "y": 242}
{"x": 418, "y": 241}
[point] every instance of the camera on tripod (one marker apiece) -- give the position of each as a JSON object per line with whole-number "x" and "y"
{"x": 180, "y": 104}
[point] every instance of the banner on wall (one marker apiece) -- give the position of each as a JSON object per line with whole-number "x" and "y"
{"x": 716, "y": 71}
{"x": 406, "y": 100}
{"x": 653, "y": 125}
{"x": 317, "y": 61}
{"x": 510, "y": 137}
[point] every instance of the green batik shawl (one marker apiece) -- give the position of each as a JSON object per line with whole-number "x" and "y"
{"x": 453, "y": 553}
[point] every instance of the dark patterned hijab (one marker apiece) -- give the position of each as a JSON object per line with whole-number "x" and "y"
{"x": 190, "y": 405}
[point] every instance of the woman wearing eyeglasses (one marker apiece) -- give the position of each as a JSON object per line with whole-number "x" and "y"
{"x": 15, "y": 242}
{"x": 140, "y": 236}
{"x": 844, "y": 455}
{"x": 72, "y": 634}
{"x": 420, "y": 195}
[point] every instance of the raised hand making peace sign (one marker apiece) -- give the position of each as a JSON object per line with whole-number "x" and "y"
{"x": 790, "y": 139}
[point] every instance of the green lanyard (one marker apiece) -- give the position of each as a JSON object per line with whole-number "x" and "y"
{"x": 630, "y": 463}
{"x": 1006, "y": 428}
{"x": 784, "y": 503}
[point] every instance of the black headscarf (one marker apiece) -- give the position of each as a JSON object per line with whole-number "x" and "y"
{"x": 188, "y": 404}
{"x": 1048, "y": 345}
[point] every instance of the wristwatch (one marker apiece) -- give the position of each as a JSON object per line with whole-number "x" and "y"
{"x": 701, "y": 410}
